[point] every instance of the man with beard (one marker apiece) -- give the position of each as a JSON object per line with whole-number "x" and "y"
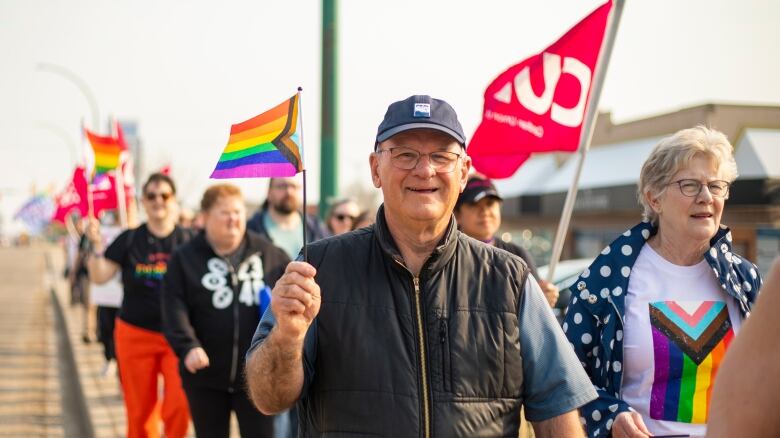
{"x": 280, "y": 219}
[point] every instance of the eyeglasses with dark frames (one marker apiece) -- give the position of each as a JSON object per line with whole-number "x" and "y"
{"x": 342, "y": 217}
{"x": 692, "y": 187}
{"x": 407, "y": 159}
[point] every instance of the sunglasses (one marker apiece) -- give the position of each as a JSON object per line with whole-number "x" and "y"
{"x": 343, "y": 217}
{"x": 151, "y": 196}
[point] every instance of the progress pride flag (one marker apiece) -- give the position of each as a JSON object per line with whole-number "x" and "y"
{"x": 539, "y": 105}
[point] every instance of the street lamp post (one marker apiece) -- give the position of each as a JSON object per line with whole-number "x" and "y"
{"x": 63, "y": 135}
{"x": 78, "y": 82}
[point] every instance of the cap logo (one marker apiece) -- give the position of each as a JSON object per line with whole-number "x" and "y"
{"x": 422, "y": 110}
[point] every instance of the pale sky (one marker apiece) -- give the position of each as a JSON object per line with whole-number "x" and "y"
{"x": 187, "y": 70}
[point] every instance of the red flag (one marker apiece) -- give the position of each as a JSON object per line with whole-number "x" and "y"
{"x": 104, "y": 193}
{"x": 539, "y": 105}
{"x": 73, "y": 197}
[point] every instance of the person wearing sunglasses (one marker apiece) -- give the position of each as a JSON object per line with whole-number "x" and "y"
{"x": 342, "y": 215}
{"x": 409, "y": 328}
{"x": 654, "y": 314}
{"x": 143, "y": 354}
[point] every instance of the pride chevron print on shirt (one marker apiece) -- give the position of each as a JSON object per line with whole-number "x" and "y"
{"x": 690, "y": 339}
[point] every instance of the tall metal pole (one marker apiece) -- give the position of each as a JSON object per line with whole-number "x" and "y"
{"x": 78, "y": 82}
{"x": 329, "y": 110}
{"x": 587, "y": 134}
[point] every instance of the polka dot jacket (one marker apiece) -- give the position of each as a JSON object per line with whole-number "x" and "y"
{"x": 594, "y": 322}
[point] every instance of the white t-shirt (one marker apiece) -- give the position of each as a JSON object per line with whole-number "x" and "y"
{"x": 678, "y": 324}
{"x": 110, "y": 293}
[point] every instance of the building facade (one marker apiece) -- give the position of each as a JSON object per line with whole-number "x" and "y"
{"x": 607, "y": 203}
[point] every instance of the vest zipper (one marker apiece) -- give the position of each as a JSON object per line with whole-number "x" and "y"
{"x": 234, "y": 362}
{"x": 423, "y": 366}
{"x": 444, "y": 339}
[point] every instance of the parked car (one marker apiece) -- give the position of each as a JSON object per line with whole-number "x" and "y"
{"x": 566, "y": 273}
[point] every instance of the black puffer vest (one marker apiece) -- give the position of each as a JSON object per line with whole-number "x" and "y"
{"x": 399, "y": 356}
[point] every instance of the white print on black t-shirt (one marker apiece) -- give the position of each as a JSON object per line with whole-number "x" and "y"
{"x": 250, "y": 274}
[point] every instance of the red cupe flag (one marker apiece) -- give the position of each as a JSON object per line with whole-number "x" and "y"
{"x": 73, "y": 197}
{"x": 539, "y": 105}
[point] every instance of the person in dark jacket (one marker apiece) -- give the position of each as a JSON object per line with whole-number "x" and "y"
{"x": 408, "y": 327}
{"x": 280, "y": 219}
{"x": 478, "y": 212}
{"x": 211, "y": 307}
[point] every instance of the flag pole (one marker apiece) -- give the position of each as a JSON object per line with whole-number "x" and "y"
{"x": 587, "y": 135}
{"x": 305, "y": 248}
{"x": 87, "y": 177}
{"x": 121, "y": 201}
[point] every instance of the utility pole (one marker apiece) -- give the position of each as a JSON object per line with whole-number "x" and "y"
{"x": 329, "y": 109}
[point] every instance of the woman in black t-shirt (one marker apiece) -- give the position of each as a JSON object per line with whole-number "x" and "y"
{"x": 142, "y": 352}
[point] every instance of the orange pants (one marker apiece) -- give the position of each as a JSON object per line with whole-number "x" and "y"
{"x": 142, "y": 355}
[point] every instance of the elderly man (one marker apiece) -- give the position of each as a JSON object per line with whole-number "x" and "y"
{"x": 409, "y": 328}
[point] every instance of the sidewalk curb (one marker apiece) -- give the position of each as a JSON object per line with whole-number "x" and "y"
{"x": 76, "y": 418}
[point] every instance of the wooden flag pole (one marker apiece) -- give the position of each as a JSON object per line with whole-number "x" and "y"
{"x": 587, "y": 135}
{"x": 300, "y": 117}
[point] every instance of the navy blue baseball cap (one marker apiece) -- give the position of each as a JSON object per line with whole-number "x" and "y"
{"x": 420, "y": 111}
{"x": 477, "y": 188}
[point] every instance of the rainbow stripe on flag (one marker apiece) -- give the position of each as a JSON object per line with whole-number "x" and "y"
{"x": 267, "y": 145}
{"x": 689, "y": 342}
{"x": 107, "y": 151}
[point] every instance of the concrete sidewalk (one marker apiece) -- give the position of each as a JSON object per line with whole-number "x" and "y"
{"x": 29, "y": 366}
{"x": 101, "y": 392}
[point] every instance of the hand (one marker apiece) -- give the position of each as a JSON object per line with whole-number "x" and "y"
{"x": 93, "y": 233}
{"x": 196, "y": 359}
{"x": 629, "y": 425}
{"x": 550, "y": 291}
{"x": 295, "y": 300}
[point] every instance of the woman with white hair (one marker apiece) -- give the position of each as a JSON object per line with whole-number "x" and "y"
{"x": 652, "y": 317}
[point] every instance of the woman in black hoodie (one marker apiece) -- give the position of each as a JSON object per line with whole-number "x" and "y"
{"x": 211, "y": 308}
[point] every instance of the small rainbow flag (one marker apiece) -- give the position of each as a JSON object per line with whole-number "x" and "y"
{"x": 268, "y": 145}
{"x": 107, "y": 151}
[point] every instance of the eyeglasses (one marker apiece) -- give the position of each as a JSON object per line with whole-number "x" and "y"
{"x": 343, "y": 217}
{"x": 283, "y": 186}
{"x": 407, "y": 159}
{"x": 151, "y": 196}
{"x": 692, "y": 187}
